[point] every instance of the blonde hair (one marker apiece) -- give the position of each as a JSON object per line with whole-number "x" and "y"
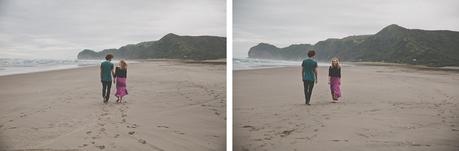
{"x": 123, "y": 64}
{"x": 337, "y": 62}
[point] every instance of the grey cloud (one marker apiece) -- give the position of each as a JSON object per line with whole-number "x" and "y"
{"x": 56, "y": 26}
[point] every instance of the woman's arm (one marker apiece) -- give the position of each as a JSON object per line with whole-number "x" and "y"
{"x": 339, "y": 71}
{"x": 329, "y": 74}
{"x": 116, "y": 72}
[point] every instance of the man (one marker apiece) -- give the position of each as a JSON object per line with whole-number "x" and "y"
{"x": 106, "y": 73}
{"x": 309, "y": 75}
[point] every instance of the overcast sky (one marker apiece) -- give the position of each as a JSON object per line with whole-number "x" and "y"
{"x": 285, "y": 22}
{"x": 60, "y": 29}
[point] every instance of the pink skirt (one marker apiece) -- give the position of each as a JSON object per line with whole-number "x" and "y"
{"x": 121, "y": 87}
{"x": 335, "y": 83}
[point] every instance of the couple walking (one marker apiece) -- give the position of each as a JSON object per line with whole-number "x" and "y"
{"x": 119, "y": 74}
{"x": 309, "y": 75}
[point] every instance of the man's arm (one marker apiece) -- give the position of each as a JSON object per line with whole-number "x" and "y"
{"x": 101, "y": 72}
{"x": 302, "y": 73}
{"x": 316, "y": 71}
{"x": 113, "y": 73}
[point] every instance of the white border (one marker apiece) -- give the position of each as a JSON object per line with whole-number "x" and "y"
{"x": 229, "y": 75}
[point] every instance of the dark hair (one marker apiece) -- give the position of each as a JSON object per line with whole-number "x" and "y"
{"x": 108, "y": 57}
{"x": 311, "y": 53}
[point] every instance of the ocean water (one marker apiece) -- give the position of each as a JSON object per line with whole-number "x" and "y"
{"x": 251, "y": 63}
{"x": 10, "y": 66}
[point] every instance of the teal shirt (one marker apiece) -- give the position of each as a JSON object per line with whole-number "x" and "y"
{"x": 106, "y": 68}
{"x": 309, "y": 66}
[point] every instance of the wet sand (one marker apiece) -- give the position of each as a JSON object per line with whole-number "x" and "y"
{"x": 382, "y": 108}
{"x": 171, "y": 105}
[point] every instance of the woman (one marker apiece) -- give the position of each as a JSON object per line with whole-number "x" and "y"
{"x": 120, "y": 78}
{"x": 334, "y": 76}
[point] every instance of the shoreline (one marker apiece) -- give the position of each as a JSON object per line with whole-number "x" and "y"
{"x": 421, "y": 67}
{"x": 376, "y": 64}
{"x": 449, "y": 68}
{"x": 76, "y": 66}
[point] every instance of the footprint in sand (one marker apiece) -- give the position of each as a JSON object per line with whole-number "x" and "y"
{"x": 286, "y": 133}
{"x": 116, "y": 135}
{"x": 131, "y": 132}
{"x": 243, "y": 148}
{"x": 268, "y": 138}
{"x": 363, "y": 135}
{"x": 162, "y": 126}
{"x": 22, "y": 115}
{"x": 132, "y": 126}
{"x": 251, "y": 128}
{"x": 142, "y": 141}
{"x": 312, "y": 137}
{"x": 215, "y": 111}
{"x": 12, "y": 127}
{"x": 178, "y": 132}
{"x": 338, "y": 140}
{"x": 101, "y": 146}
{"x": 88, "y": 132}
{"x": 258, "y": 139}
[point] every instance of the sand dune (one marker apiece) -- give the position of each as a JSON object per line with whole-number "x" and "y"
{"x": 383, "y": 108}
{"x": 171, "y": 106}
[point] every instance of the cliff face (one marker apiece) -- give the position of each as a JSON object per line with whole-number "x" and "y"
{"x": 392, "y": 44}
{"x": 268, "y": 51}
{"x": 170, "y": 46}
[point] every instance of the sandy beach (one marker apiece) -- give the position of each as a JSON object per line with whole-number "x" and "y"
{"x": 171, "y": 105}
{"x": 383, "y": 108}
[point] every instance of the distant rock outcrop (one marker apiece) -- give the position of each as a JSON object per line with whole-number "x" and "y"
{"x": 393, "y": 44}
{"x": 171, "y": 46}
{"x": 88, "y": 54}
